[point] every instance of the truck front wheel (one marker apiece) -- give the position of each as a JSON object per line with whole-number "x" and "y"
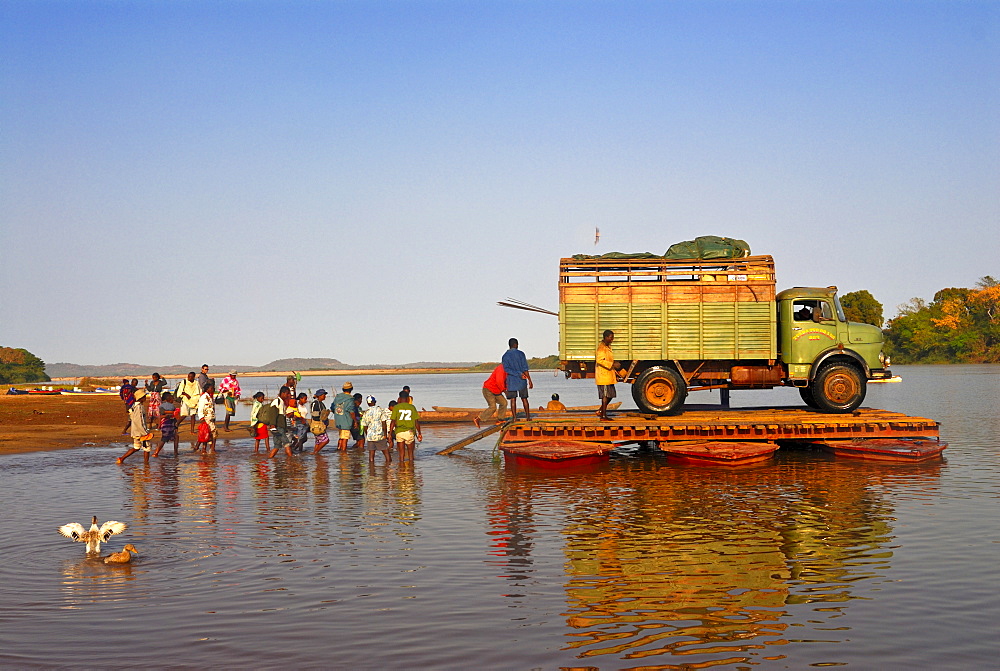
{"x": 838, "y": 388}
{"x": 659, "y": 390}
{"x": 807, "y": 397}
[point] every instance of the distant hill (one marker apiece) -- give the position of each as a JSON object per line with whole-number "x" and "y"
{"x": 304, "y": 364}
{"x": 63, "y": 369}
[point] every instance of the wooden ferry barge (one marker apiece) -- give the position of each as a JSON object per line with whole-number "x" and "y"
{"x": 724, "y": 436}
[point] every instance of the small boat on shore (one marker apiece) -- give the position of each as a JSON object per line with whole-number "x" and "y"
{"x": 70, "y": 392}
{"x": 35, "y": 392}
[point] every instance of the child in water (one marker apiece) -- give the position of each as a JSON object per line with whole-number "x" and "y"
{"x": 169, "y": 414}
{"x": 258, "y": 430}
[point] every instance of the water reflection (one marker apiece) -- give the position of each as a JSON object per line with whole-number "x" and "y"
{"x": 511, "y": 520}
{"x": 708, "y": 564}
{"x": 90, "y": 580}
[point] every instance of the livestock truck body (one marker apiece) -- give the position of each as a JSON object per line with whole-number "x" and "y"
{"x": 687, "y": 325}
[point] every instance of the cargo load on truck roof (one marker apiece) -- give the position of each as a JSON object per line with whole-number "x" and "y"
{"x": 705, "y": 247}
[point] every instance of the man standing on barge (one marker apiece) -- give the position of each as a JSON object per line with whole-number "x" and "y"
{"x": 518, "y": 378}
{"x": 606, "y": 373}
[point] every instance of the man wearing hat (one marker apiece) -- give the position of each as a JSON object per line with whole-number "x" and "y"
{"x": 138, "y": 429}
{"x": 343, "y": 414}
{"x": 230, "y": 390}
{"x": 376, "y": 423}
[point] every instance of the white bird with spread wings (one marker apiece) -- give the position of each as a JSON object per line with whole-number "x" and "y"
{"x": 93, "y": 536}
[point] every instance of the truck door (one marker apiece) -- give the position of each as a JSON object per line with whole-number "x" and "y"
{"x": 813, "y": 330}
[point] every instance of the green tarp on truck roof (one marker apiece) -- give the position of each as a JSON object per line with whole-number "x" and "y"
{"x": 706, "y": 247}
{"x": 709, "y": 247}
{"x": 617, "y": 255}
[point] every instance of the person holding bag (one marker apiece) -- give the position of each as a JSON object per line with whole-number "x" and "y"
{"x": 319, "y": 420}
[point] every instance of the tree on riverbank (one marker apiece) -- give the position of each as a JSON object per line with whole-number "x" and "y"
{"x": 861, "y": 306}
{"x": 534, "y": 363}
{"x": 20, "y": 365}
{"x": 958, "y": 326}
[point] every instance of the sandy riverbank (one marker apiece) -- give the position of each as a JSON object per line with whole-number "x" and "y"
{"x": 34, "y": 423}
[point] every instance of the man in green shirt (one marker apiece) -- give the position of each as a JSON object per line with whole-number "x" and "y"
{"x": 404, "y": 424}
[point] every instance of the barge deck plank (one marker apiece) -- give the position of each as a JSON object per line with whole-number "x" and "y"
{"x": 736, "y": 424}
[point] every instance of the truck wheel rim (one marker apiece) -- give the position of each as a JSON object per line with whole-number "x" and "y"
{"x": 840, "y": 388}
{"x": 660, "y": 392}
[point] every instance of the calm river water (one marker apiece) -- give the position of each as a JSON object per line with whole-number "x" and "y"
{"x": 458, "y": 562}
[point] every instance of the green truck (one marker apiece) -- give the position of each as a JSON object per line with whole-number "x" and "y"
{"x": 687, "y": 325}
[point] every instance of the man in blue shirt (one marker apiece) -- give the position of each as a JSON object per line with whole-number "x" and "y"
{"x": 342, "y": 410}
{"x": 518, "y": 378}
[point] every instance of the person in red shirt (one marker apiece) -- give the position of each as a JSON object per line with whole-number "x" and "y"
{"x": 493, "y": 392}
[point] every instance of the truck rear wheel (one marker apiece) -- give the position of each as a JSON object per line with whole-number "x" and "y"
{"x": 838, "y": 387}
{"x": 659, "y": 390}
{"x": 807, "y": 397}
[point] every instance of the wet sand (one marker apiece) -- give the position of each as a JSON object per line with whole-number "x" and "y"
{"x": 37, "y": 422}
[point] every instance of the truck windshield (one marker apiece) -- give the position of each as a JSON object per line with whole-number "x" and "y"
{"x": 840, "y": 309}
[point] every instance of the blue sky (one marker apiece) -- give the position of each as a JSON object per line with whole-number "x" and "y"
{"x": 238, "y": 182}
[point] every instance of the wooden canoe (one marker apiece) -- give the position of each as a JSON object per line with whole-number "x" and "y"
{"x": 885, "y": 449}
{"x": 724, "y": 452}
{"x": 429, "y": 416}
{"x": 556, "y": 453}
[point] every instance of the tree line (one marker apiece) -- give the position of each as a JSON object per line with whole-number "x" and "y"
{"x": 18, "y": 365}
{"x": 958, "y": 326}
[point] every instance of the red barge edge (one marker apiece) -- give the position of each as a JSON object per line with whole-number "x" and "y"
{"x": 722, "y": 436}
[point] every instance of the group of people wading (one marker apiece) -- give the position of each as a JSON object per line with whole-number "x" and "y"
{"x": 286, "y": 422}
{"x": 289, "y": 419}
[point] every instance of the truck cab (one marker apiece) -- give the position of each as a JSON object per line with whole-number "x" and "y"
{"x": 828, "y": 358}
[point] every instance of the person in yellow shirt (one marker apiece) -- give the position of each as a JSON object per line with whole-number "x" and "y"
{"x": 555, "y": 405}
{"x": 606, "y": 373}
